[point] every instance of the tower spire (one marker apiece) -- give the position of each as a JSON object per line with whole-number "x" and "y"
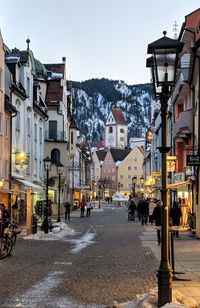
{"x": 28, "y": 42}
{"x": 175, "y": 29}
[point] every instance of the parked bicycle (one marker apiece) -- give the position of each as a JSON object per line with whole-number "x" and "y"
{"x": 5, "y": 246}
{"x": 8, "y": 239}
{"x": 13, "y": 231}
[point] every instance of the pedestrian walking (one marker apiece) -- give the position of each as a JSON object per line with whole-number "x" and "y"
{"x": 67, "y": 207}
{"x": 139, "y": 205}
{"x": 152, "y": 205}
{"x": 157, "y": 218}
{"x": 175, "y": 213}
{"x": 88, "y": 207}
{"x": 131, "y": 208}
{"x": 144, "y": 211}
{"x": 82, "y": 205}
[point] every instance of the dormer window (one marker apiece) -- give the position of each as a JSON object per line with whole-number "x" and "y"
{"x": 110, "y": 130}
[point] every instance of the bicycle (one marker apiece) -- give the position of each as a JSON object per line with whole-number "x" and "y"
{"x": 14, "y": 230}
{"x": 5, "y": 246}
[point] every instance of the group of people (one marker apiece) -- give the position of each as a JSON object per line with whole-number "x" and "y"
{"x": 150, "y": 209}
{"x": 84, "y": 205}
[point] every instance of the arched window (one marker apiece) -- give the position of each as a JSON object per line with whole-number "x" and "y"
{"x": 55, "y": 156}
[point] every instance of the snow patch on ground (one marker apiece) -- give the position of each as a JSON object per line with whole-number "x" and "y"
{"x": 60, "y": 230}
{"x": 150, "y": 300}
{"x": 82, "y": 242}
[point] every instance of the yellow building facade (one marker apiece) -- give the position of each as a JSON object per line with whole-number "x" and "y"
{"x": 131, "y": 167}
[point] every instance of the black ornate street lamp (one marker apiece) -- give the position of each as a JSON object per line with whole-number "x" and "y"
{"x": 47, "y": 167}
{"x": 142, "y": 184}
{"x": 118, "y": 186}
{"x": 134, "y": 181}
{"x": 59, "y": 168}
{"x": 99, "y": 185}
{"x": 163, "y": 64}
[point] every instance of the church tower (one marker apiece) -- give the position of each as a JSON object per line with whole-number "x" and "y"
{"x": 116, "y": 130}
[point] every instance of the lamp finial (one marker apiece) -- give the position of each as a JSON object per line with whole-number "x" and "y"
{"x": 164, "y": 33}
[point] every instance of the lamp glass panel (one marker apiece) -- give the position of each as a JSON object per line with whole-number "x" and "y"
{"x": 165, "y": 63}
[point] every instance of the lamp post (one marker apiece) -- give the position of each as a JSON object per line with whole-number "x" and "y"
{"x": 59, "y": 168}
{"x": 163, "y": 64}
{"x": 99, "y": 185}
{"x": 134, "y": 181}
{"x": 47, "y": 167}
{"x": 118, "y": 186}
{"x": 142, "y": 184}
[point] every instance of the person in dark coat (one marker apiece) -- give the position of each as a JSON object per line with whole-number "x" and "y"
{"x": 157, "y": 214}
{"x": 82, "y": 206}
{"x": 131, "y": 208}
{"x": 144, "y": 211}
{"x": 139, "y": 205}
{"x": 67, "y": 210}
{"x": 175, "y": 213}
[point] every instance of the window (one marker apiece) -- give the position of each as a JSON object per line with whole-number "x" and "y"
{"x": 1, "y": 123}
{"x": 72, "y": 138}
{"x": 35, "y": 167}
{"x": 122, "y": 130}
{"x": 129, "y": 176}
{"x": 6, "y": 169}
{"x": 110, "y": 129}
{"x": 0, "y": 78}
{"x": 135, "y": 158}
{"x": 55, "y": 156}
{"x": 129, "y": 168}
{"x": 121, "y": 176}
{"x": 28, "y": 86}
{"x": 40, "y": 135}
{"x": 35, "y": 131}
{"x": 135, "y": 168}
{"x": 18, "y": 121}
{"x": 53, "y": 130}
{"x": 29, "y": 126}
{"x": 121, "y": 138}
{"x": 7, "y": 127}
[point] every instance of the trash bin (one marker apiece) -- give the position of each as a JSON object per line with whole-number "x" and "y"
{"x": 34, "y": 224}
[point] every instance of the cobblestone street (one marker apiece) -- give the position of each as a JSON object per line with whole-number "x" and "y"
{"x": 51, "y": 274}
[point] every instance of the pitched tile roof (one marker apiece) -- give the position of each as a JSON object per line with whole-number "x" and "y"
{"x": 100, "y": 144}
{"x": 118, "y": 116}
{"x": 119, "y": 154}
{"x": 101, "y": 154}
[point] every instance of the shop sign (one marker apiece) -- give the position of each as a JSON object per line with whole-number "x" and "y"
{"x": 193, "y": 160}
{"x": 179, "y": 177}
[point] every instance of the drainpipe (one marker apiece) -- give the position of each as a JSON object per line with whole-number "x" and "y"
{"x": 10, "y": 160}
{"x": 198, "y": 148}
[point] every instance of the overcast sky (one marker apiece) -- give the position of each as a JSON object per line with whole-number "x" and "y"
{"x": 99, "y": 38}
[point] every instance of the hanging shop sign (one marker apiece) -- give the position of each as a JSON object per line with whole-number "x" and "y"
{"x": 179, "y": 177}
{"x": 193, "y": 160}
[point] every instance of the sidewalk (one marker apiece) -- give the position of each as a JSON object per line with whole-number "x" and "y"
{"x": 186, "y": 259}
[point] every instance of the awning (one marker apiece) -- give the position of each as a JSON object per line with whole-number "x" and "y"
{"x": 178, "y": 184}
{"x": 36, "y": 188}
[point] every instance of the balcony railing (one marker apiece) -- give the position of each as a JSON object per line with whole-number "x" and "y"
{"x": 184, "y": 122}
{"x": 54, "y": 136}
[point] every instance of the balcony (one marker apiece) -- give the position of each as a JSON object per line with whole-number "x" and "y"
{"x": 183, "y": 126}
{"x": 54, "y": 136}
{"x": 183, "y": 76}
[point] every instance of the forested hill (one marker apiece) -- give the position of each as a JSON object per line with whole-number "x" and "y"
{"x": 95, "y": 98}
